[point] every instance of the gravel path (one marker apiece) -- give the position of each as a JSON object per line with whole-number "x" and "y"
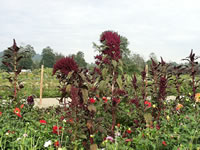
{"x": 47, "y": 102}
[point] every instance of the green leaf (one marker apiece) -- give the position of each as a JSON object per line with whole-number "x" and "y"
{"x": 148, "y": 118}
{"x": 104, "y": 72}
{"x": 82, "y": 136}
{"x": 102, "y": 85}
{"x": 114, "y": 63}
{"x": 84, "y": 94}
{"x": 120, "y": 62}
{"x": 119, "y": 82}
{"x": 92, "y": 108}
{"x": 101, "y": 129}
{"x": 121, "y": 69}
{"x": 68, "y": 88}
{"x": 70, "y": 74}
{"x": 82, "y": 76}
{"x": 93, "y": 147}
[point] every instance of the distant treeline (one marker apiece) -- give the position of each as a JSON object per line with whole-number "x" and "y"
{"x": 133, "y": 63}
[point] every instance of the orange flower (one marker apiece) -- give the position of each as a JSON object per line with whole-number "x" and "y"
{"x": 71, "y": 120}
{"x": 179, "y": 106}
{"x": 56, "y": 144}
{"x": 197, "y": 97}
{"x": 17, "y": 112}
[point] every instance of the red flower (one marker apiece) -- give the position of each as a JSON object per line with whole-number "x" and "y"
{"x": 92, "y": 100}
{"x": 57, "y": 130}
{"x": 116, "y": 101}
{"x": 71, "y": 120}
{"x": 157, "y": 127}
{"x": 105, "y": 99}
{"x": 164, "y": 143}
{"x": 30, "y": 100}
{"x": 147, "y": 103}
{"x": 65, "y": 65}
{"x": 56, "y": 144}
{"x": 112, "y": 41}
{"x": 22, "y": 105}
{"x": 129, "y": 131}
{"x": 0, "y": 113}
{"x": 62, "y": 117}
{"x": 17, "y": 112}
{"x": 11, "y": 131}
{"x": 43, "y": 122}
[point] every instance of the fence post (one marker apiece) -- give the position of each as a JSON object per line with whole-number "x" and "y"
{"x": 41, "y": 84}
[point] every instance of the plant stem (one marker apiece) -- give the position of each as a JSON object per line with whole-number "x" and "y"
{"x": 113, "y": 106}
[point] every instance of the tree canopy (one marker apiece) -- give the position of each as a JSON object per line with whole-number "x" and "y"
{"x": 48, "y": 57}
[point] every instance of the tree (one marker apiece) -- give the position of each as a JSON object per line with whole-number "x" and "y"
{"x": 80, "y": 60}
{"x": 6, "y": 59}
{"x": 48, "y": 57}
{"x": 124, "y": 47}
{"x": 27, "y": 62}
{"x": 58, "y": 56}
{"x": 153, "y": 56}
{"x": 134, "y": 64}
{"x": 26, "y": 52}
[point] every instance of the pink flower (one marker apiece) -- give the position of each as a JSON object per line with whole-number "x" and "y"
{"x": 109, "y": 138}
{"x": 128, "y": 140}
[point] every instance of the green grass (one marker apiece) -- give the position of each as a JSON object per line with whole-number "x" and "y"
{"x": 31, "y": 83}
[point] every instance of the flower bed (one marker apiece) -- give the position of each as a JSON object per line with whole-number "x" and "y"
{"x": 108, "y": 109}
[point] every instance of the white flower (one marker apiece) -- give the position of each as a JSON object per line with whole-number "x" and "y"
{"x": 19, "y": 139}
{"x": 64, "y": 120}
{"x": 7, "y": 133}
{"x": 117, "y": 134}
{"x": 25, "y": 135}
{"x": 47, "y": 144}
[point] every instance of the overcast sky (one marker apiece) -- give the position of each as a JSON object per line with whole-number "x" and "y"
{"x": 169, "y": 28}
